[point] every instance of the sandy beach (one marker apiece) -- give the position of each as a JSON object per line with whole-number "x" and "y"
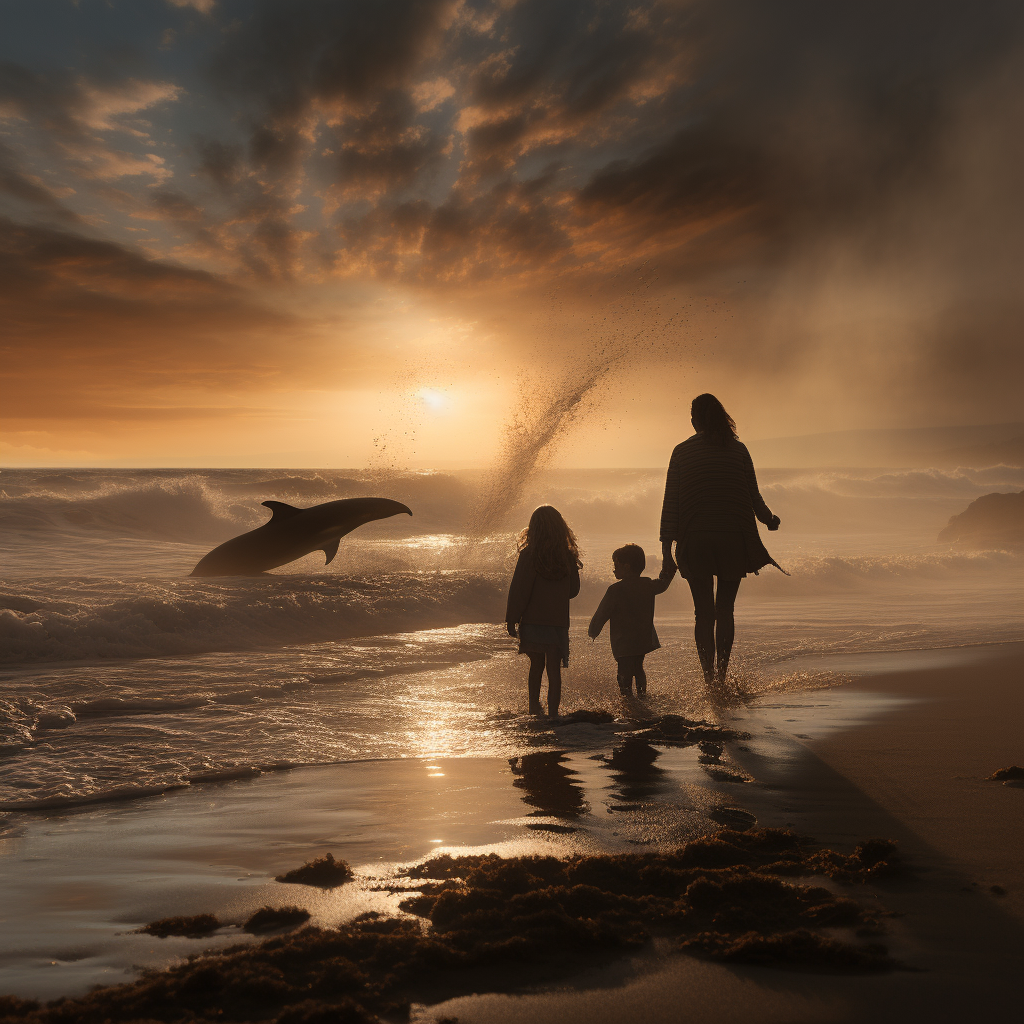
{"x": 901, "y": 751}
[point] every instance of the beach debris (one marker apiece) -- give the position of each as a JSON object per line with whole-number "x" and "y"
{"x": 873, "y": 859}
{"x": 313, "y": 1011}
{"x": 722, "y": 898}
{"x": 675, "y": 730}
{"x": 324, "y": 872}
{"x": 270, "y": 919}
{"x": 1013, "y": 773}
{"x": 799, "y": 949}
{"x": 190, "y": 927}
{"x": 722, "y": 774}
{"x": 721, "y": 889}
{"x": 13, "y": 1006}
{"x": 710, "y": 751}
{"x": 997, "y": 890}
{"x": 584, "y": 716}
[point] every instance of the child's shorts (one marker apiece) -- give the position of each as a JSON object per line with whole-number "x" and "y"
{"x": 545, "y": 640}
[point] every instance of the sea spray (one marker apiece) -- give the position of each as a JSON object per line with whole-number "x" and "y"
{"x": 546, "y": 413}
{"x": 529, "y": 441}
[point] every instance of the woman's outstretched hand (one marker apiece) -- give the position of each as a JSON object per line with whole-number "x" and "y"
{"x": 774, "y": 524}
{"x": 511, "y": 627}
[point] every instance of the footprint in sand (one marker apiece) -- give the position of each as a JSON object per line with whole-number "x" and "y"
{"x": 733, "y": 817}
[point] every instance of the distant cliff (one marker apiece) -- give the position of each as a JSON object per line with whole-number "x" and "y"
{"x": 991, "y": 521}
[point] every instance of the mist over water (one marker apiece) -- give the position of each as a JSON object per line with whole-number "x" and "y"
{"x": 120, "y": 674}
{"x": 550, "y": 406}
{"x": 528, "y": 441}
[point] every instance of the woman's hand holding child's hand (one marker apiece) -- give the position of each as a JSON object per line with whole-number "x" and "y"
{"x": 668, "y": 563}
{"x": 775, "y": 523}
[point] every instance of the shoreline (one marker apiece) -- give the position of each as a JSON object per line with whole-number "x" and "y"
{"x": 836, "y": 786}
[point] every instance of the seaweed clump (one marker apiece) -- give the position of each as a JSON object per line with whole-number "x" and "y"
{"x": 584, "y": 716}
{"x": 324, "y": 872}
{"x": 270, "y": 919}
{"x": 871, "y": 860}
{"x": 15, "y": 1008}
{"x": 190, "y": 927}
{"x": 675, "y": 730}
{"x": 1013, "y": 772}
{"x": 800, "y": 950}
{"x": 722, "y": 897}
{"x": 724, "y": 888}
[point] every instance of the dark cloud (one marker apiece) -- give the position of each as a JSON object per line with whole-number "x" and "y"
{"x": 769, "y": 125}
{"x": 286, "y": 56}
{"x": 817, "y": 149}
{"x": 221, "y": 162}
{"x": 17, "y": 183}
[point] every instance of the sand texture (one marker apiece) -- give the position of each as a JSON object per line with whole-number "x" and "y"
{"x": 903, "y": 752}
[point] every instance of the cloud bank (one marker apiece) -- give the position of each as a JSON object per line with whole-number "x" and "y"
{"x": 843, "y": 177}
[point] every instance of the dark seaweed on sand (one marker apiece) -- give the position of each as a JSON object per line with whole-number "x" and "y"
{"x": 1014, "y": 771}
{"x": 324, "y": 872}
{"x": 270, "y": 919}
{"x": 675, "y": 730}
{"x": 721, "y": 897}
{"x": 190, "y": 927}
{"x": 800, "y": 950}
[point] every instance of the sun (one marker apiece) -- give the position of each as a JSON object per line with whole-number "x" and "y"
{"x": 434, "y": 399}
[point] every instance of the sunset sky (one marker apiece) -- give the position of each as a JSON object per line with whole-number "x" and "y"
{"x": 340, "y": 232}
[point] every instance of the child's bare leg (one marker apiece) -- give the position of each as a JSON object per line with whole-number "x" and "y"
{"x": 624, "y": 677}
{"x": 641, "y": 678}
{"x": 554, "y": 666}
{"x": 533, "y": 683}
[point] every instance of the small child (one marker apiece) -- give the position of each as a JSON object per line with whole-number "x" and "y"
{"x": 630, "y": 606}
{"x": 546, "y": 579}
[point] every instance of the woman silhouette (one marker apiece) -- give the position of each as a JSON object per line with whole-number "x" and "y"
{"x": 711, "y": 499}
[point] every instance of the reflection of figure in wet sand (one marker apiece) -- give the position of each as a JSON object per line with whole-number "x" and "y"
{"x": 711, "y": 500}
{"x": 548, "y": 785}
{"x": 636, "y": 775}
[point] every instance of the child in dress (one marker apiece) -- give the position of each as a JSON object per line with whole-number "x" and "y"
{"x": 546, "y": 578}
{"x": 629, "y": 604}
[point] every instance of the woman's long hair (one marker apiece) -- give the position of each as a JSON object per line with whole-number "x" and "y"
{"x": 710, "y": 419}
{"x": 552, "y": 543}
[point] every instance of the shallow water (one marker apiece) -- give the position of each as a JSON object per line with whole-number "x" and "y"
{"x": 123, "y": 676}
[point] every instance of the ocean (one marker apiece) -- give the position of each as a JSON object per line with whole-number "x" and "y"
{"x": 121, "y": 676}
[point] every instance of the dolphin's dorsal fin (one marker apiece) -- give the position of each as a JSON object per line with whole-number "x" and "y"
{"x": 281, "y": 510}
{"x": 330, "y": 550}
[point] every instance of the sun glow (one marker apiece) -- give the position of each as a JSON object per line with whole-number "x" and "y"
{"x": 434, "y": 399}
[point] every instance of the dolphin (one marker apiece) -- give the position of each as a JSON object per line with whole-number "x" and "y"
{"x": 294, "y": 532}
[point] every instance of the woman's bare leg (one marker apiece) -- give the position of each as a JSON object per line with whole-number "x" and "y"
{"x": 703, "y": 591}
{"x": 554, "y": 666}
{"x": 725, "y": 623}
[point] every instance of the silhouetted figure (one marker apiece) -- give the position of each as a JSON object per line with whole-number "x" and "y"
{"x": 548, "y": 785}
{"x": 546, "y": 578}
{"x": 629, "y": 605}
{"x": 711, "y": 499}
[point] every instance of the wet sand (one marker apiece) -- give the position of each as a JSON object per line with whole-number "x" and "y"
{"x": 900, "y": 752}
{"x": 75, "y": 885}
